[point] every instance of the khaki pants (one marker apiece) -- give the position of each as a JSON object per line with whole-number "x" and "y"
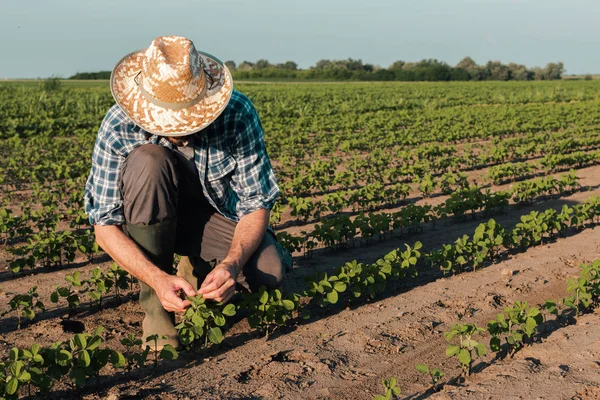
{"x": 166, "y": 212}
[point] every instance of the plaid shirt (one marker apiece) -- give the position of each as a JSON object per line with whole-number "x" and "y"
{"x": 230, "y": 154}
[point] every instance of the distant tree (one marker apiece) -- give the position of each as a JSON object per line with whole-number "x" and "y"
{"x": 289, "y": 65}
{"x": 262, "y": 64}
{"x": 245, "y": 66}
{"x": 323, "y": 64}
{"x": 497, "y": 71}
{"x": 588, "y": 77}
{"x": 469, "y": 65}
{"x": 396, "y": 65}
{"x": 554, "y": 71}
{"x": 230, "y": 64}
{"x": 519, "y": 72}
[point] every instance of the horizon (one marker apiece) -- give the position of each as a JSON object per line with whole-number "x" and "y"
{"x": 532, "y": 33}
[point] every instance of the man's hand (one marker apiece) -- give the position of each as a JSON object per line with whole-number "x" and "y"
{"x": 167, "y": 289}
{"x": 219, "y": 284}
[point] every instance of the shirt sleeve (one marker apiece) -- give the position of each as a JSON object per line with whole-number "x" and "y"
{"x": 103, "y": 199}
{"x": 253, "y": 180}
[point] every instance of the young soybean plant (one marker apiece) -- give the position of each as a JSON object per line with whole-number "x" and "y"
{"x": 202, "y": 320}
{"x": 69, "y": 292}
{"x": 517, "y": 324}
{"x": 325, "y": 289}
{"x": 168, "y": 352}
{"x": 467, "y": 347}
{"x": 269, "y": 309}
{"x": 392, "y": 391}
{"x": 434, "y": 373}
{"x": 133, "y": 357}
{"x": 24, "y": 305}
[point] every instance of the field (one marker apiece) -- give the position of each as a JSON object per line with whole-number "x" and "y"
{"x": 451, "y": 225}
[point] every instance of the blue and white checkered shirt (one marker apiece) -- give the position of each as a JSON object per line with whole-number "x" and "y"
{"x": 230, "y": 154}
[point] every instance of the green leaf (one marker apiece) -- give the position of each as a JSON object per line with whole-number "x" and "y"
{"x": 229, "y": 310}
{"x": 339, "y": 286}
{"x": 80, "y": 341}
{"x": 332, "y": 297}
{"x": 422, "y": 368}
{"x": 95, "y": 341}
{"x": 480, "y": 350}
{"x": 84, "y": 359}
{"x": 452, "y": 351}
{"x": 54, "y": 297}
{"x": 215, "y": 335}
{"x": 169, "y": 353}
{"x": 12, "y": 386}
{"x": 464, "y": 357}
{"x": 117, "y": 359}
{"x": 14, "y": 354}
{"x": 288, "y": 305}
{"x": 63, "y": 357}
{"x": 219, "y": 319}
{"x": 531, "y": 325}
{"x": 264, "y": 298}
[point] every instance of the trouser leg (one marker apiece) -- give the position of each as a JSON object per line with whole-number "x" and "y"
{"x": 150, "y": 191}
{"x": 265, "y": 267}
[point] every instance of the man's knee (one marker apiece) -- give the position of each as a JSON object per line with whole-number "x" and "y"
{"x": 149, "y": 185}
{"x": 151, "y": 163}
{"x": 266, "y": 267}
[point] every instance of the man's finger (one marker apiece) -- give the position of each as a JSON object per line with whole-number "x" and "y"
{"x": 186, "y": 286}
{"x": 213, "y": 285}
{"x": 209, "y": 278}
{"x": 175, "y": 303}
{"x": 219, "y": 291}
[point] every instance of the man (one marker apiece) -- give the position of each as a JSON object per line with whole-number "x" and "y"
{"x": 180, "y": 165}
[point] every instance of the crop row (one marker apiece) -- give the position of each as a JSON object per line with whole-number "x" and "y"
{"x": 376, "y": 195}
{"x": 342, "y": 230}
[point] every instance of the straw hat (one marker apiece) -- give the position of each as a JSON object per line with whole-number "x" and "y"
{"x": 171, "y": 89}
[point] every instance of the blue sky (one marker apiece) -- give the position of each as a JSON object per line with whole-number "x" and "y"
{"x": 45, "y": 37}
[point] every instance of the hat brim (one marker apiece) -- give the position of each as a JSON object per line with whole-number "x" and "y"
{"x": 165, "y": 121}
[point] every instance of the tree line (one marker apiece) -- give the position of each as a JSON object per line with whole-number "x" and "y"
{"x": 350, "y": 69}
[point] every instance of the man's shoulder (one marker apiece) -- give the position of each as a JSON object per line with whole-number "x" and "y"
{"x": 239, "y": 104}
{"x": 117, "y": 123}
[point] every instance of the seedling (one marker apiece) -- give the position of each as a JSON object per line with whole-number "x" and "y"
{"x": 133, "y": 357}
{"x": 269, "y": 309}
{"x": 24, "y": 305}
{"x": 167, "y": 352}
{"x": 203, "y": 321}
{"x": 392, "y": 391}
{"x": 69, "y": 292}
{"x": 517, "y": 324}
{"x": 467, "y": 349}
{"x": 435, "y": 374}
{"x": 325, "y": 289}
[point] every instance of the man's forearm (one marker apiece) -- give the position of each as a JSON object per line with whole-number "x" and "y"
{"x": 247, "y": 237}
{"x": 127, "y": 254}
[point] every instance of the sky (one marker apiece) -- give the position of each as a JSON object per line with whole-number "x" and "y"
{"x": 42, "y": 38}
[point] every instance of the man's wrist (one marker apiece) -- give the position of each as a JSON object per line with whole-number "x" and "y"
{"x": 234, "y": 264}
{"x": 154, "y": 277}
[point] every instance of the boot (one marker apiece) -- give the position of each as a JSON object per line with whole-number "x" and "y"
{"x": 156, "y": 241}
